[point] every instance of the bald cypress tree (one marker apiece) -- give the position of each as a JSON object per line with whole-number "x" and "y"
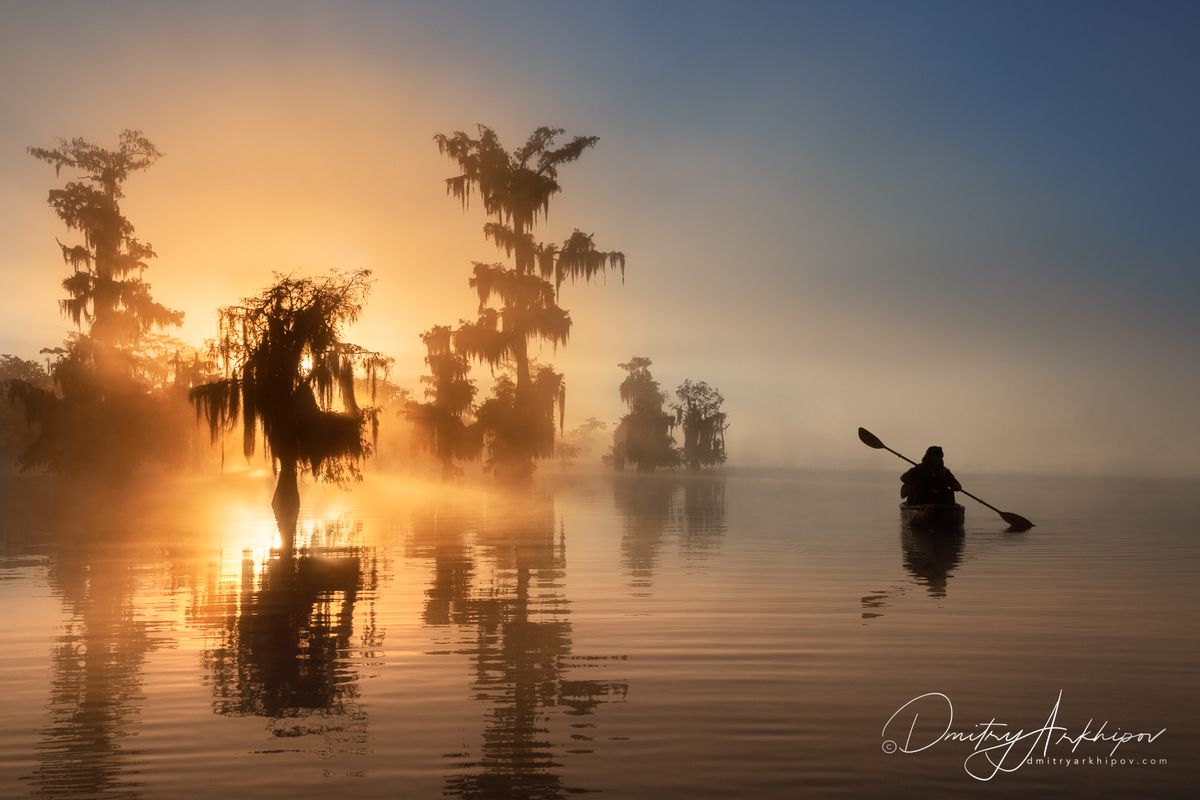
{"x": 445, "y": 418}
{"x": 105, "y": 290}
{"x": 698, "y": 411}
{"x": 289, "y": 372}
{"x": 643, "y": 437}
{"x": 100, "y": 418}
{"x": 519, "y": 300}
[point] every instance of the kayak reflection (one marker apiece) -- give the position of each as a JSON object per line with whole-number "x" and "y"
{"x": 932, "y": 556}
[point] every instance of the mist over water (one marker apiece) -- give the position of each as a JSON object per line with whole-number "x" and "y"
{"x": 459, "y": 399}
{"x": 720, "y": 636}
{"x": 920, "y": 232}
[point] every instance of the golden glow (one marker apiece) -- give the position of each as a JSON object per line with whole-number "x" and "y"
{"x": 805, "y": 352}
{"x": 247, "y": 532}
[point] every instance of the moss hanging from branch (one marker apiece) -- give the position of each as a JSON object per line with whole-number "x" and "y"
{"x": 644, "y": 437}
{"x": 101, "y": 293}
{"x": 288, "y": 369}
{"x": 518, "y": 304}
{"x": 698, "y": 410}
{"x": 445, "y": 420}
{"x": 107, "y": 413}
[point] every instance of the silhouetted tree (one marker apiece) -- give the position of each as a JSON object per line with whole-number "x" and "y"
{"x": 643, "y": 437}
{"x": 15, "y": 432}
{"x": 698, "y": 411}
{"x": 444, "y": 418}
{"x": 519, "y": 304}
{"x": 285, "y": 363}
{"x": 95, "y": 423}
{"x": 18, "y": 369}
{"x": 103, "y": 289}
{"x": 102, "y": 418}
{"x": 519, "y": 430}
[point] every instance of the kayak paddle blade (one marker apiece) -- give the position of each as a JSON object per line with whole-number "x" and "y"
{"x": 870, "y": 439}
{"x": 1016, "y": 523}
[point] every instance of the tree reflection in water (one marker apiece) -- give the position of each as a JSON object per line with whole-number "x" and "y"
{"x": 504, "y": 590}
{"x": 651, "y": 513}
{"x": 644, "y": 504}
{"x": 284, "y": 643}
{"x": 703, "y": 514}
{"x": 97, "y": 661}
{"x": 287, "y": 634}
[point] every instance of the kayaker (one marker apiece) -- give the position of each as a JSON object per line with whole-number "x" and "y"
{"x": 929, "y": 482}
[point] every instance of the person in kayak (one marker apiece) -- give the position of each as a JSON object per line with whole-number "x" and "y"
{"x": 929, "y": 482}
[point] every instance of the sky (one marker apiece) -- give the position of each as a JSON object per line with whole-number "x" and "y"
{"x": 970, "y": 224}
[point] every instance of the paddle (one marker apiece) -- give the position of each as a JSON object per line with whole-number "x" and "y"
{"x": 1015, "y": 521}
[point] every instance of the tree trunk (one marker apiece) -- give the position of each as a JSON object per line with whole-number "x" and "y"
{"x": 521, "y": 355}
{"x": 286, "y": 502}
{"x": 691, "y": 446}
{"x": 519, "y": 456}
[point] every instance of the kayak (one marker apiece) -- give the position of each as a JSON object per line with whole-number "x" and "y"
{"x": 933, "y": 517}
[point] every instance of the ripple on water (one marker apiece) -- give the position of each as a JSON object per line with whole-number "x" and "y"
{"x": 721, "y": 637}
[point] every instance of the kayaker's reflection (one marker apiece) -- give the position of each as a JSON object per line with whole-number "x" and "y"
{"x": 283, "y": 638}
{"x": 932, "y": 556}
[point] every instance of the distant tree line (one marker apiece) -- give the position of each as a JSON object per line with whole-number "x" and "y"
{"x": 645, "y": 439}
{"x": 115, "y": 395}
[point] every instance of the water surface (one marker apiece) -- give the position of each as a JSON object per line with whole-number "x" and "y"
{"x": 740, "y": 636}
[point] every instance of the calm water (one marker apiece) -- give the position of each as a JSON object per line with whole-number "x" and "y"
{"x": 739, "y": 637}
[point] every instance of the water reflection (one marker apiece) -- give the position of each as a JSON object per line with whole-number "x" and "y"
{"x": 507, "y": 620}
{"x": 283, "y": 643}
{"x": 439, "y": 532}
{"x": 651, "y": 512}
{"x": 703, "y": 514}
{"x": 96, "y": 668}
{"x": 930, "y": 558}
{"x": 505, "y": 595}
{"x": 645, "y": 505}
